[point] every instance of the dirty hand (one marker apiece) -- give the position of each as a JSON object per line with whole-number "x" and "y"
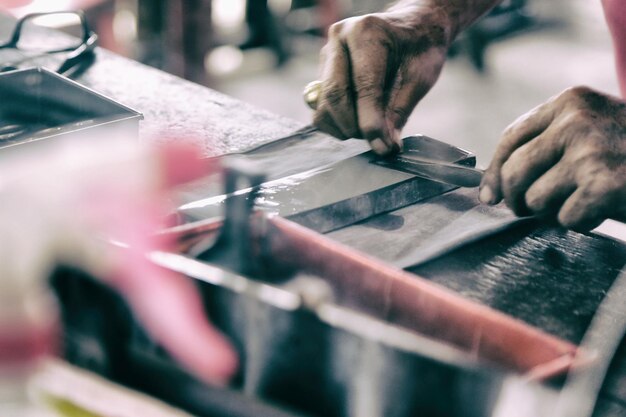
{"x": 567, "y": 156}
{"x": 66, "y": 204}
{"x": 375, "y": 69}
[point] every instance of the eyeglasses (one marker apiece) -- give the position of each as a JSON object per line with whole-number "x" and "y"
{"x": 32, "y": 42}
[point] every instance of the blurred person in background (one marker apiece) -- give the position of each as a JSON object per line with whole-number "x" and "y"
{"x": 565, "y": 157}
{"x": 265, "y": 29}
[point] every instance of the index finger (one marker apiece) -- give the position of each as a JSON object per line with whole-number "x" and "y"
{"x": 335, "y": 112}
{"x": 370, "y": 54}
{"x": 166, "y": 303}
{"x": 521, "y": 131}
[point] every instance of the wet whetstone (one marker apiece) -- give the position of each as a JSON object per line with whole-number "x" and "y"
{"x": 546, "y": 276}
{"x": 538, "y": 272}
{"x": 549, "y": 277}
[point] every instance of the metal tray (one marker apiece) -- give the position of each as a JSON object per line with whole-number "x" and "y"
{"x": 38, "y": 105}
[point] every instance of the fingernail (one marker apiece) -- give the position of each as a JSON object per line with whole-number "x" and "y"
{"x": 486, "y": 195}
{"x": 398, "y": 139}
{"x": 379, "y": 146}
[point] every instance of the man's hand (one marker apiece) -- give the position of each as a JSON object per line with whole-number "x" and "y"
{"x": 567, "y": 156}
{"x": 375, "y": 69}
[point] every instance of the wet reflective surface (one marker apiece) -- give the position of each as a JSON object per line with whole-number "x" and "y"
{"x": 338, "y": 194}
{"x": 547, "y": 276}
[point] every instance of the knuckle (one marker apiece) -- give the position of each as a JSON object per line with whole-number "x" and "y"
{"x": 572, "y": 93}
{"x": 370, "y": 23}
{"x": 513, "y": 171}
{"x": 582, "y": 114}
{"x": 336, "y": 29}
{"x": 579, "y": 90}
{"x": 535, "y": 196}
{"x": 598, "y": 182}
{"x": 334, "y": 95}
{"x": 520, "y": 124}
{"x": 588, "y": 162}
{"x": 511, "y": 129}
{"x": 400, "y": 116}
{"x": 366, "y": 87}
{"x": 533, "y": 202}
{"x": 582, "y": 97}
{"x": 592, "y": 150}
{"x": 568, "y": 219}
{"x": 573, "y": 120}
{"x": 509, "y": 175}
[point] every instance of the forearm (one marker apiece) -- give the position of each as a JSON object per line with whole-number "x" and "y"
{"x": 455, "y": 15}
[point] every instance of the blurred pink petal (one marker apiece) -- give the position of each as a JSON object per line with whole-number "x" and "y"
{"x": 166, "y": 303}
{"x": 171, "y": 311}
{"x": 182, "y": 162}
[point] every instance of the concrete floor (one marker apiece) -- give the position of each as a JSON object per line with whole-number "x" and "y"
{"x": 465, "y": 108}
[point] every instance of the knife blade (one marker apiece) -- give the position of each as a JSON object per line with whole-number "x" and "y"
{"x": 449, "y": 173}
{"x": 434, "y": 167}
{"x": 422, "y": 155}
{"x": 338, "y": 194}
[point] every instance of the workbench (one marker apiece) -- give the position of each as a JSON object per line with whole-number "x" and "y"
{"x": 549, "y": 277}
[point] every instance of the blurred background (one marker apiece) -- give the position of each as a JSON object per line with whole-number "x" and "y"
{"x": 265, "y": 51}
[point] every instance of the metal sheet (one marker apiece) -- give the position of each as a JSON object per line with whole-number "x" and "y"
{"x": 339, "y": 194}
{"x": 38, "y": 105}
{"x": 407, "y": 241}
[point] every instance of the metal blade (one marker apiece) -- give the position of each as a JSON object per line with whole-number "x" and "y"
{"x": 448, "y": 173}
{"x": 341, "y": 193}
{"x": 426, "y": 157}
{"x": 476, "y": 224}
